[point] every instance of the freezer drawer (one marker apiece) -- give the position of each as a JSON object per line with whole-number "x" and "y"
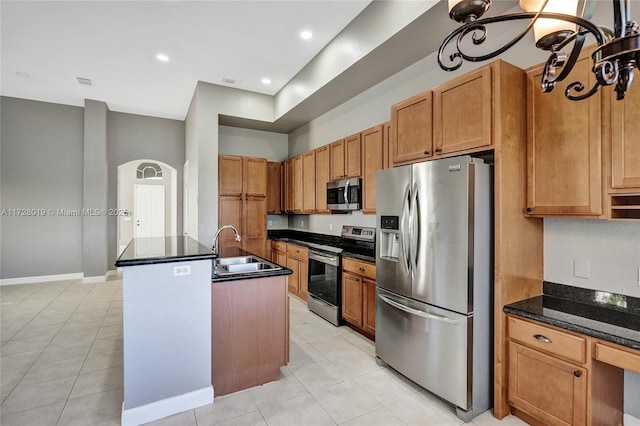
{"x": 430, "y": 346}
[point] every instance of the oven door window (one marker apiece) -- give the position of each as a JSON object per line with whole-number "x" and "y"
{"x": 324, "y": 281}
{"x": 335, "y": 195}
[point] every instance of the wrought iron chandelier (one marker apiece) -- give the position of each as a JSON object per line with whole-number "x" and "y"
{"x": 556, "y": 24}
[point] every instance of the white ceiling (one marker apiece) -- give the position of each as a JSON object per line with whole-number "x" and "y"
{"x": 115, "y": 43}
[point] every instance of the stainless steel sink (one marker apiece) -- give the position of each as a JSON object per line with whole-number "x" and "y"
{"x": 242, "y": 265}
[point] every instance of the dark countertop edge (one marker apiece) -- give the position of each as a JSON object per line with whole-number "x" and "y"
{"x": 174, "y": 259}
{"x": 281, "y": 235}
{"x": 251, "y": 276}
{"x": 573, "y": 327}
{"x": 359, "y": 257}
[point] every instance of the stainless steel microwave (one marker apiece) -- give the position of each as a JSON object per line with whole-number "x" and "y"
{"x": 345, "y": 194}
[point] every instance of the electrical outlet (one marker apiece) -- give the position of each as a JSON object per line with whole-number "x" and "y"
{"x": 581, "y": 268}
{"x": 270, "y": 223}
{"x": 179, "y": 271}
{"x": 331, "y": 227}
{"x": 302, "y": 223}
{"x": 638, "y": 276}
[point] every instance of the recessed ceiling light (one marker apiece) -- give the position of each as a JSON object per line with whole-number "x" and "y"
{"x": 84, "y": 81}
{"x": 306, "y": 35}
{"x": 22, "y": 74}
{"x": 266, "y": 81}
{"x": 162, "y": 57}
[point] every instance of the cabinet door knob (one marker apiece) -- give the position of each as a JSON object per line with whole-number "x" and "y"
{"x": 577, "y": 373}
{"x": 361, "y": 269}
{"x": 541, "y": 338}
{"x": 438, "y": 149}
{"x": 426, "y": 153}
{"x": 529, "y": 209}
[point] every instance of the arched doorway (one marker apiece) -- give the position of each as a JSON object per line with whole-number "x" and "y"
{"x": 148, "y": 190}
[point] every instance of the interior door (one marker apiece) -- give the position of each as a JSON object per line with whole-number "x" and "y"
{"x": 148, "y": 214}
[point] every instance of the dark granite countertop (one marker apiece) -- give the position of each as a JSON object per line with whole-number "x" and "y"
{"x": 153, "y": 250}
{"x": 235, "y": 252}
{"x": 311, "y": 240}
{"x": 611, "y": 317}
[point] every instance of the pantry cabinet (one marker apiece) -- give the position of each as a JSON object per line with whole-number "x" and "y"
{"x": 323, "y": 170}
{"x": 243, "y": 203}
{"x": 373, "y": 160}
{"x": 463, "y": 113}
{"x": 359, "y": 295}
{"x": 412, "y": 129}
{"x": 298, "y": 262}
{"x": 564, "y": 148}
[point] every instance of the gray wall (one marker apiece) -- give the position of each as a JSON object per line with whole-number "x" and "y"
{"x": 135, "y": 137}
{"x": 253, "y": 143}
{"x": 42, "y": 167}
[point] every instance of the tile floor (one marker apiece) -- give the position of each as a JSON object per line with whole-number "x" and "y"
{"x": 61, "y": 364}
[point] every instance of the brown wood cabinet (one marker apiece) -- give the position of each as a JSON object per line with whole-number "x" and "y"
{"x": 279, "y": 253}
{"x": 247, "y": 211}
{"x": 564, "y": 148}
{"x": 323, "y": 171}
{"x": 412, "y": 129}
{"x": 624, "y": 146}
{"x": 274, "y": 187}
{"x": 298, "y": 262}
{"x": 346, "y": 158}
{"x": 359, "y": 295}
{"x": 386, "y": 142}
{"x": 289, "y": 184}
{"x": 298, "y": 185}
{"x": 462, "y": 113}
{"x": 557, "y": 377}
{"x": 309, "y": 182}
{"x": 372, "y": 161}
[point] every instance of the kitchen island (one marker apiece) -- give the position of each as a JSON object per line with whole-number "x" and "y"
{"x": 189, "y": 332}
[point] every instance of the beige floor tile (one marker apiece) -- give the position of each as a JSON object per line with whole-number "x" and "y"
{"x": 251, "y": 419}
{"x": 225, "y": 408}
{"x": 42, "y": 416}
{"x": 386, "y": 385}
{"x": 107, "y": 344}
{"x": 75, "y": 336}
{"x": 334, "y": 345}
{"x": 74, "y": 324}
{"x": 186, "y": 418}
{"x": 103, "y": 360}
{"x": 109, "y": 331}
{"x": 487, "y": 419}
{"x": 45, "y": 371}
{"x": 40, "y": 332}
{"x": 303, "y": 354}
{"x": 312, "y": 333}
{"x": 422, "y": 409}
{"x": 39, "y": 395}
{"x": 318, "y": 375}
{"x": 46, "y": 319}
{"x": 112, "y": 320}
{"x": 345, "y": 401}
{"x": 270, "y": 393}
{"x": 354, "y": 363}
{"x": 97, "y": 382}
{"x": 379, "y": 416}
{"x": 56, "y": 352}
{"x": 15, "y": 346}
{"x": 303, "y": 410}
{"x": 92, "y": 409}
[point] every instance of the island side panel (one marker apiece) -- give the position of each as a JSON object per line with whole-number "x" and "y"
{"x": 167, "y": 334}
{"x": 249, "y": 332}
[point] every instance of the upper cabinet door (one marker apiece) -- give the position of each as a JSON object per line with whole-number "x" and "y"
{"x": 337, "y": 160}
{"x": 289, "y": 185}
{"x": 274, "y": 188}
{"x": 463, "y": 112}
{"x": 564, "y": 156}
{"x": 372, "y": 150}
{"x": 625, "y": 142}
{"x": 255, "y": 179}
{"x": 309, "y": 182}
{"x": 322, "y": 177}
{"x": 353, "y": 156}
{"x": 386, "y": 142}
{"x": 297, "y": 184}
{"x": 412, "y": 129}
{"x": 230, "y": 179}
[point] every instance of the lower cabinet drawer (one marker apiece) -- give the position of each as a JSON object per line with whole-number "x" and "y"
{"x": 365, "y": 269}
{"x": 618, "y": 357}
{"x": 556, "y": 342}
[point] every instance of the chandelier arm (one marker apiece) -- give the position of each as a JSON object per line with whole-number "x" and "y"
{"x": 573, "y": 57}
{"x": 579, "y": 87}
{"x": 619, "y": 17}
{"x": 458, "y": 57}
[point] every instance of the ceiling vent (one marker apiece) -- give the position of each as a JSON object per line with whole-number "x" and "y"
{"x": 84, "y": 81}
{"x": 230, "y": 80}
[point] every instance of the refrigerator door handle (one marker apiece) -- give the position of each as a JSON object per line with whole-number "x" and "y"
{"x": 403, "y": 228}
{"x": 417, "y": 312}
{"x": 415, "y": 226}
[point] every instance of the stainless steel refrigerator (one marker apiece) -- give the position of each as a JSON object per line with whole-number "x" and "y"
{"x": 434, "y": 275}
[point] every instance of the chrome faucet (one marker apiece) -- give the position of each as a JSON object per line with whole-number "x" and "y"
{"x": 215, "y": 237}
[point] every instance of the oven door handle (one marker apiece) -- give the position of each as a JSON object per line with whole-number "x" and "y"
{"x": 330, "y": 260}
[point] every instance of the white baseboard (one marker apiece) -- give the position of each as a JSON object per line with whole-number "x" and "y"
{"x": 99, "y": 278}
{"x": 166, "y": 407}
{"x": 629, "y": 420}
{"x": 41, "y": 279}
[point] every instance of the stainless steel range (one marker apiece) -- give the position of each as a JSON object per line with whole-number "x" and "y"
{"x": 325, "y": 270}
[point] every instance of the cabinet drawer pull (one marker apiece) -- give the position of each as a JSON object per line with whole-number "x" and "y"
{"x": 426, "y": 153}
{"x": 542, "y": 338}
{"x": 577, "y": 373}
{"x": 438, "y": 149}
{"x": 361, "y": 269}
